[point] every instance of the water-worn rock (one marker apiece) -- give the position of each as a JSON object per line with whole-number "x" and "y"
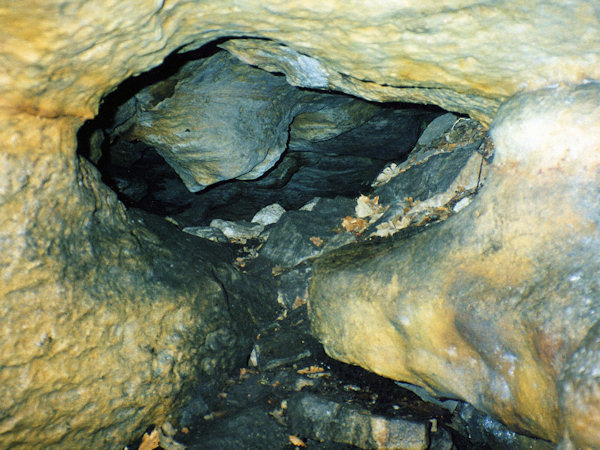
{"x": 491, "y": 305}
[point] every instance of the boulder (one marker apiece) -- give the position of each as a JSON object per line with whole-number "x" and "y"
{"x": 493, "y": 305}
{"x": 109, "y": 317}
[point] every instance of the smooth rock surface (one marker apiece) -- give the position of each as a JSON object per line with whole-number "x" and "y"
{"x": 491, "y": 305}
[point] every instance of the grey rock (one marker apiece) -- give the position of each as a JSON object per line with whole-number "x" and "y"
{"x": 290, "y": 240}
{"x": 327, "y": 420}
{"x": 269, "y": 214}
{"x": 210, "y": 233}
{"x": 238, "y": 230}
{"x": 437, "y": 128}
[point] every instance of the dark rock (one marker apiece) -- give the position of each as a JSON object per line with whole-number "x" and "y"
{"x": 248, "y": 428}
{"x": 290, "y": 241}
{"x": 436, "y": 128}
{"x": 328, "y": 420}
{"x": 483, "y": 431}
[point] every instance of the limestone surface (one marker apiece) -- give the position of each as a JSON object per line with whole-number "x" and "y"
{"x": 497, "y": 305}
{"x": 108, "y": 317}
{"x": 97, "y": 315}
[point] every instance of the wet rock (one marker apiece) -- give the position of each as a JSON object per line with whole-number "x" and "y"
{"x": 292, "y": 286}
{"x": 328, "y": 420}
{"x": 248, "y": 428}
{"x": 482, "y": 431}
{"x": 117, "y": 319}
{"x": 488, "y": 305}
{"x": 282, "y": 345}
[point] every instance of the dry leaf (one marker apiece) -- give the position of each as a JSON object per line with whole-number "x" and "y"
{"x": 298, "y": 302}
{"x": 245, "y": 373}
{"x": 366, "y": 206}
{"x": 311, "y": 369}
{"x": 354, "y": 224}
{"x": 316, "y": 240}
{"x": 277, "y": 270}
{"x": 150, "y": 441}
{"x": 296, "y": 441}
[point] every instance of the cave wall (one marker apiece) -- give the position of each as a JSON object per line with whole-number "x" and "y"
{"x": 75, "y": 264}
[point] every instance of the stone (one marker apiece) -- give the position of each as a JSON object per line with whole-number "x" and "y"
{"x": 303, "y": 235}
{"x": 493, "y": 305}
{"x": 210, "y": 233}
{"x": 269, "y": 215}
{"x": 209, "y": 122}
{"x": 484, "y": 431}
{"x": 99, "y": 337}
{"x": 329, "y": 420}
{"x": 238, "y": 230}
{"x": 437, "y": 128}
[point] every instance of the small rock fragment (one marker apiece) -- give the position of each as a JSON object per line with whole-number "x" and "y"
{"x": 210, "y": 233}
{"x": 238, "y": 230}
{"x": 269, "y": 214}
{"x": 326, "y": 420}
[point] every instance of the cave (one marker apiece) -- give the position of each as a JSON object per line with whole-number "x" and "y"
{"x": 279, "y": 225}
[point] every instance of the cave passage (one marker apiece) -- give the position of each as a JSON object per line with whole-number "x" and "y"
{"x": 334, "y": 144}
{"x": 168, "y": 142}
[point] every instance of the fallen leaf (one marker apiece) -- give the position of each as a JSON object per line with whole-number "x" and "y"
{"x": 298, "y": 302}
{"x": 354, "y": 224}
{"x": 296, "y": 441}
{"x": 245, "y": 373}
{"x": 215, "y": 415}
{"x": 316, "y": 240}
{"x": 277, "y": 270}
{"x": 150, "y": 441}
{"x": 311, "y": 369}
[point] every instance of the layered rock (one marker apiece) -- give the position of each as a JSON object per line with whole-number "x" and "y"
{"x": 491, "y": 305}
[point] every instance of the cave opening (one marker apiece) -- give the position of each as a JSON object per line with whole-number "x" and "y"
{"x": 326, "y": 144}
{"x": 207, "y": 142}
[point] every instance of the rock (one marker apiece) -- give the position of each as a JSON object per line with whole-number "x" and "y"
{"x": 240, "y": 230}
{"x": 209, "y": 121}
{"x": 107, "y": 332}
{"x": 210, "y": 233}
{"x": 489, "y": 305}
{"x": 343, "y": 125}
{"x": 301, "y": 235}
{"x": 269, "y": 214}
{"x": 72, "y": 260}
{"x": 430, "y": 184}
{"x": 484, "y": 431}
{"x": 328, "y": 420}
{"x": 437, "y": 128}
